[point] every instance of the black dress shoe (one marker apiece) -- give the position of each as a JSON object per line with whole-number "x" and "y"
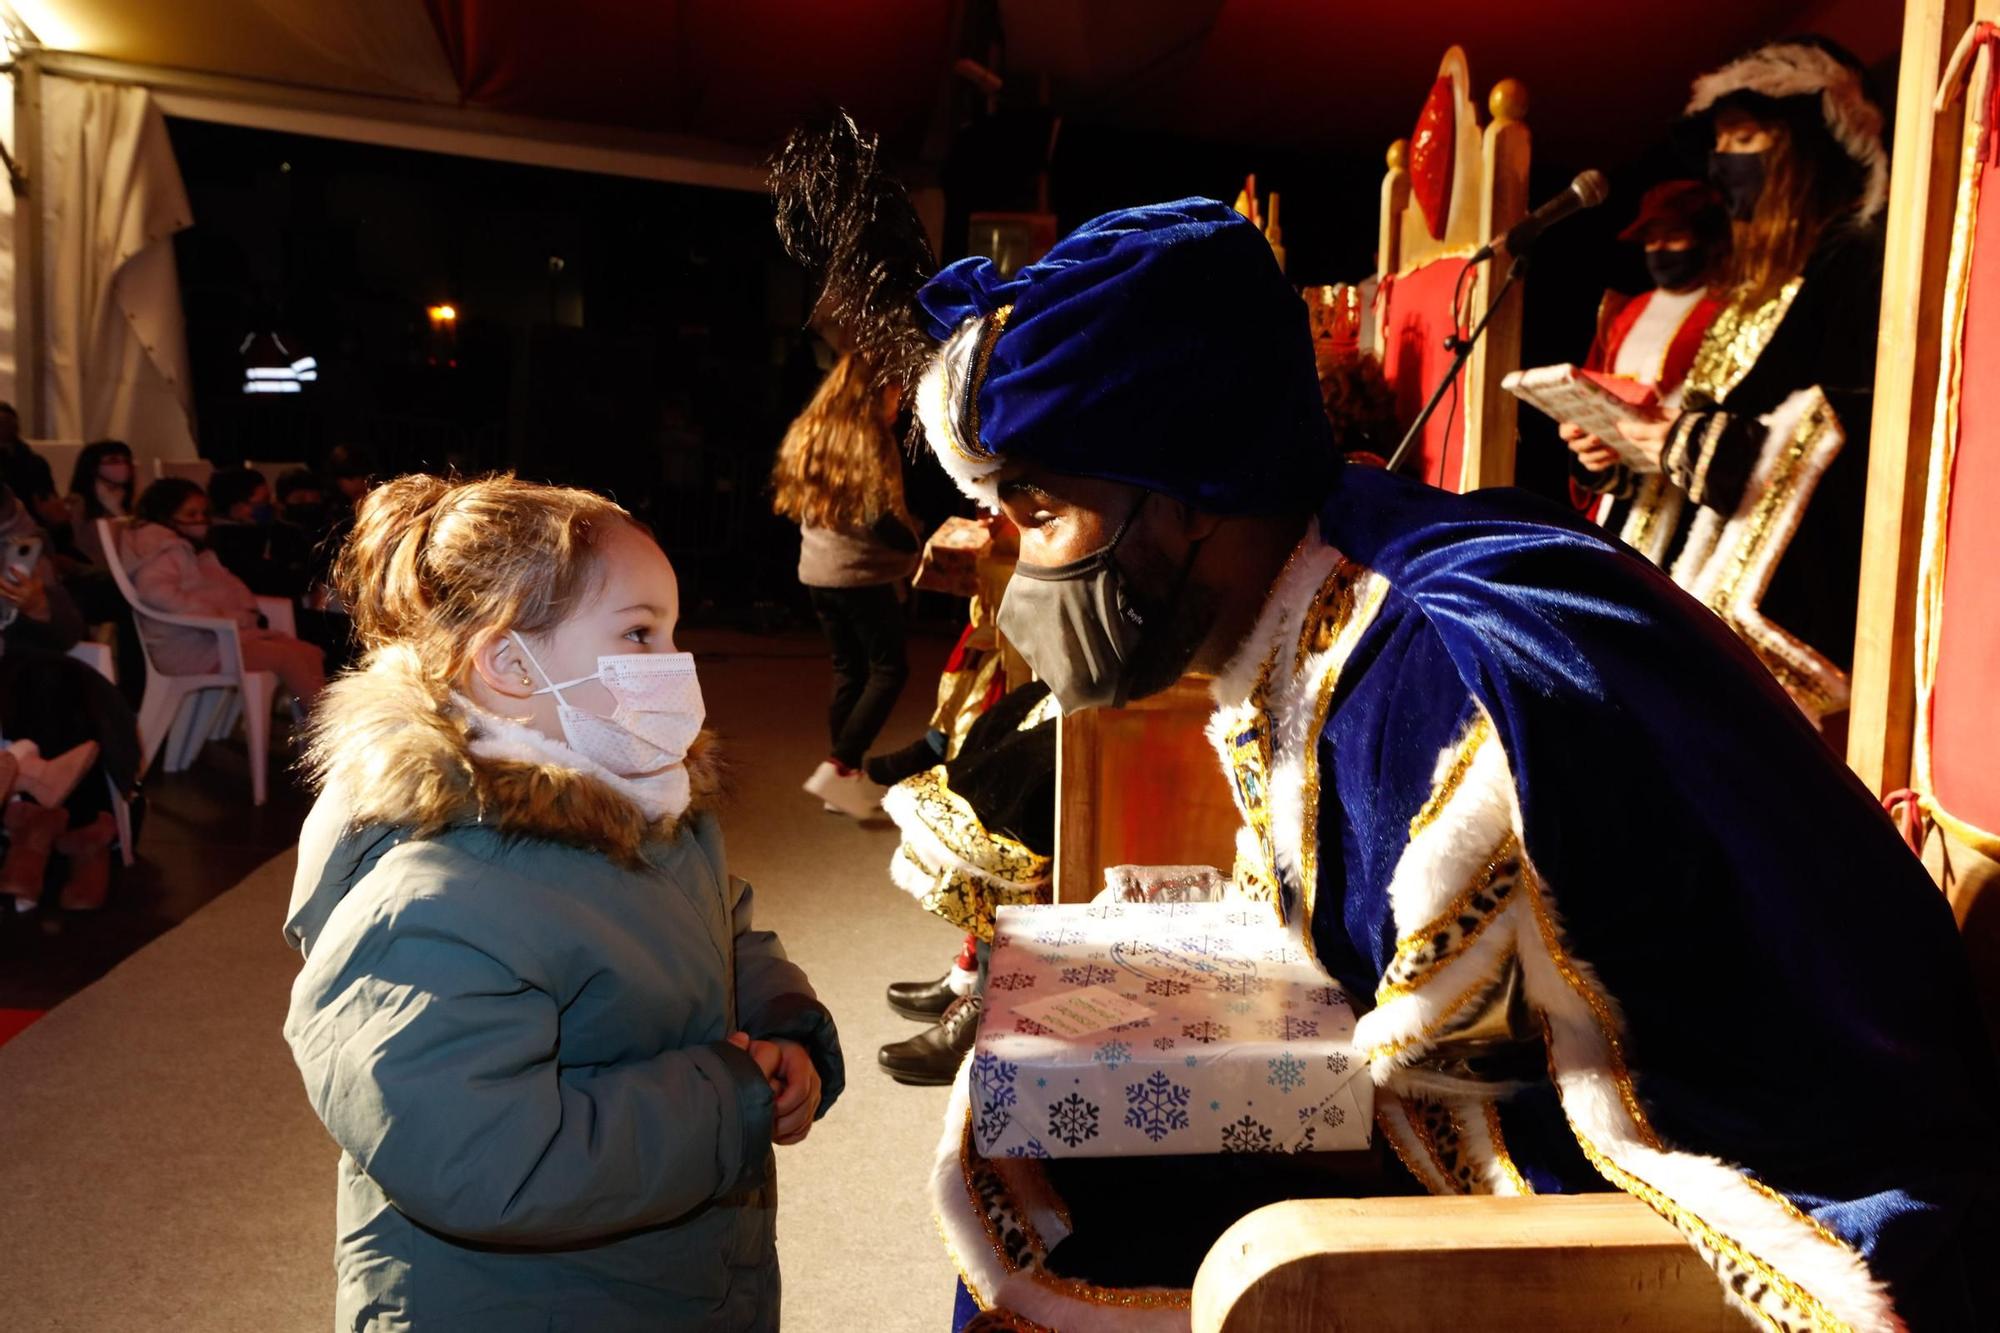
{"x": 932, "y": 1056}
{"x": 924, "y": 1001}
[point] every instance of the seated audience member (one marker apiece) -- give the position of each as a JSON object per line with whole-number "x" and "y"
{"x": 274, "y": 557}
{"x": 352, "y": 471}
{"x": 100, "y": 486}
{"x": 53, "y": 705}
{"x": 241, "y": 531}
{"x": 308, "y": 527}
{"x": 35, "y": 610}
{"x": 167, "y": 556}
{"x": 26, "y": 472}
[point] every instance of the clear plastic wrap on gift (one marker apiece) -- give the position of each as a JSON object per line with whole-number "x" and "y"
{"x": 1122, "y": 1029}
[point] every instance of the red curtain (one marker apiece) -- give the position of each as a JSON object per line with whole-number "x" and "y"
{"x": 744, "y": 71}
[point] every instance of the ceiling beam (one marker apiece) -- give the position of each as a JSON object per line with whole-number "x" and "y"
{"x": 424, "y": 126}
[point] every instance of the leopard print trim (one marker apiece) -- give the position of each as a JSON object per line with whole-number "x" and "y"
{"x": 1423, "y": 952}
{"x": 1008, "y": 1231}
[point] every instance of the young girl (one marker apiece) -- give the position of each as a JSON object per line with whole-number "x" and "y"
{"x": 839, "y": 478}
{"x": 534, "y": 1012}
{"x": 166, "y": 553}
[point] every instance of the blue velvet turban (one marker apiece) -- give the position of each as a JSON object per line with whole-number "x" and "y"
{"x": 1158, "y": 346}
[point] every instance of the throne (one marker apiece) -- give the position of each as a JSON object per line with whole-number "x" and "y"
{"x": 1451, "y": 186}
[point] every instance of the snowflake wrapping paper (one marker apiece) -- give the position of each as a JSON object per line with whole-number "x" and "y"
{"x": 1248, "y": 1046}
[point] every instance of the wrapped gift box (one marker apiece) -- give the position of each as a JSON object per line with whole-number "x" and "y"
{"x": 1115, "y": 1029}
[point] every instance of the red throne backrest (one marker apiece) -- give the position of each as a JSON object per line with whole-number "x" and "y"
{"x": 1416, "y": 321}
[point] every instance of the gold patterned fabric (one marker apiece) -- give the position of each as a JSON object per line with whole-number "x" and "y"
{"x": 1734, "y": 342}
{"x": 951, "y": 862}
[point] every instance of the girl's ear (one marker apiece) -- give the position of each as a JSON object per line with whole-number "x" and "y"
{"x": 501, "y": 665}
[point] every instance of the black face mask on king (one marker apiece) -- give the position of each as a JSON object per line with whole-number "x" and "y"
{"x": 1076, "y": 624}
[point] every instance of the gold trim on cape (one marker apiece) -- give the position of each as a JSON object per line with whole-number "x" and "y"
{"x": 1730, "y": 348}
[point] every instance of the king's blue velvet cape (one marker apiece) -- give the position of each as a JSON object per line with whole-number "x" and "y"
{"x": 1794, "y": 996}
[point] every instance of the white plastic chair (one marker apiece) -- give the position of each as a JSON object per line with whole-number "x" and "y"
{"x": 183, "y": 712}
{"x": 99, "y": 658}
{"x": 196, "y": 470}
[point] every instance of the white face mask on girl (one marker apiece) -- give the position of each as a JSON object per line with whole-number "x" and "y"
{"x": 657, "y": 715}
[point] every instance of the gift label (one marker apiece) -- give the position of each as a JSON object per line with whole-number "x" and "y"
{"x": 1079, "y": 1013}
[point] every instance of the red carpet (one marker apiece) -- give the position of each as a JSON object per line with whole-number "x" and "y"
{"x": 14, "y": 1021}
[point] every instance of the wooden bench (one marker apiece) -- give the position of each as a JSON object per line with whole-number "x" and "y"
{"x": 1580, "y": 1263}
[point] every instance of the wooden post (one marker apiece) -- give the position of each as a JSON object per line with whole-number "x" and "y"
{"x": 1922, "y": 190}
{"x": 1389, "y": 226}
{"x": 1490, "y": 420}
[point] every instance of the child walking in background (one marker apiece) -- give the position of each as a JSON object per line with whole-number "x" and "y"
{"x": 534, "y": 1011}
{"x": 840, "y": 478}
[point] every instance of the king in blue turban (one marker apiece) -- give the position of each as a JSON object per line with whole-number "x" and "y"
{"x": 1623, "y": 919}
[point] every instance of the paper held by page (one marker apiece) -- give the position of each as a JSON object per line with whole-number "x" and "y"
{"x": 1591, "y": 399}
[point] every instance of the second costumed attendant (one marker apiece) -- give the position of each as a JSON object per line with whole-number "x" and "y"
{"x": 1625, "y": 923}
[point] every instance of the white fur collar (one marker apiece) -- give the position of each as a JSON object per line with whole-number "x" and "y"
{"x": 1282, "y": 619}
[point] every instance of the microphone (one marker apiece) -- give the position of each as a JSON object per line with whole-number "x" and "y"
{"x": 1587, "y": 191}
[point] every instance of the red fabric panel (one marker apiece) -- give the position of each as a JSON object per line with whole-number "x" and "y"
{"x": 1434, "y": 155}
{"x": 1414, "y": 359}
{"x": 743, "y": 72}
{"x": 13, "y": 1022}
{"x": 1965, "y": 705}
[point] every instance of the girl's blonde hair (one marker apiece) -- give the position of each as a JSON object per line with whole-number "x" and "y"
{"x": 838, "y": 466}
{"x": 432, "y": 563}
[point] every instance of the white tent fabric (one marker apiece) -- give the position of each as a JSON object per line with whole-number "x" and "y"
{"x": 7, "y": 314}
{"x": 115, "y": 350}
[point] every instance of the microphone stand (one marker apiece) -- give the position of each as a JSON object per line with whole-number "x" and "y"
{"x": 1463, "y": 349}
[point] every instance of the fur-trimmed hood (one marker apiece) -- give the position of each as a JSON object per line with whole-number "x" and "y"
{"x": 398, "y": 756}
{"x": 1800, "y": 68}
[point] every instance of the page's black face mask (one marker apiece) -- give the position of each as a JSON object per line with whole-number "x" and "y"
{"x": 1675, "y": 270}
{"x": 1740, "y": 177}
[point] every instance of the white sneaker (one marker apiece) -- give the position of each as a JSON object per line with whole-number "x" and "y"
{"x": 852, "y": 794}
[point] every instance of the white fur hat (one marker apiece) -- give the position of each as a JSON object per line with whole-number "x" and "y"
{"x": 1797, "y": 68}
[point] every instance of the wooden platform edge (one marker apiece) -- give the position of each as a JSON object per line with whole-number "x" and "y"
{"x": 1552, "y": 1263}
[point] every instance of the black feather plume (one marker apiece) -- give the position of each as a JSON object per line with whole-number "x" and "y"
{"x": 852, "y": 225}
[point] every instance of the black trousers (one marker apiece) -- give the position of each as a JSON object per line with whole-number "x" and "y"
{"x": 864, "y": 627}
